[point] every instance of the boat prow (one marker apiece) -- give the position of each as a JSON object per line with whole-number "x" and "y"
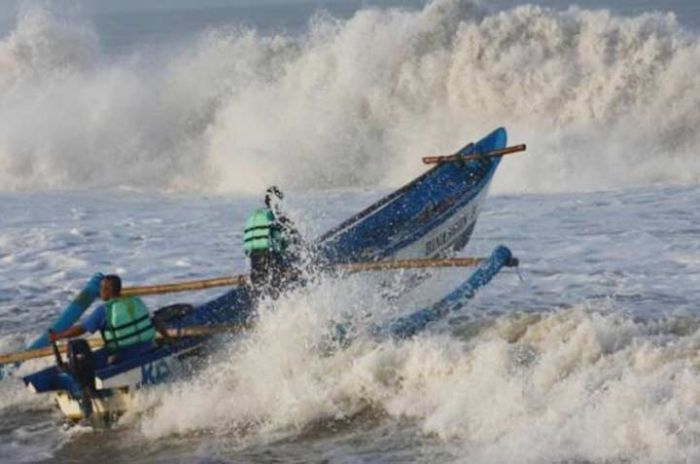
{"x": 433, "y": 215}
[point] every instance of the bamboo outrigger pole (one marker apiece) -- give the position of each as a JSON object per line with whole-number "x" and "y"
{"x": 240, "y": 279}
{"x": 417, "y": 263}
{"x": 186, "y": 286}
{"x": 477, "y": 156}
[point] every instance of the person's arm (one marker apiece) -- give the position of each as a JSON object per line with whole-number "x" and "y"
{"x": 92, "y": 323}
{"x": 73, "y": 331}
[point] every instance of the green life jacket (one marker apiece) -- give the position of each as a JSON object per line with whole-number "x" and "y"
{"x": 262, "y": 233}
{"x": 127, "y": 323}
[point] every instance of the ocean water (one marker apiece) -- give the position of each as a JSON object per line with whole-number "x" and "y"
{"x": 135, "y": 138}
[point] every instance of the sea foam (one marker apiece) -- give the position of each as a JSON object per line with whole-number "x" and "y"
{"x": 530, "y": 388}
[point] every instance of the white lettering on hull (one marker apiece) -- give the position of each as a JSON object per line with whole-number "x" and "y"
{"x": 445, "y": 236}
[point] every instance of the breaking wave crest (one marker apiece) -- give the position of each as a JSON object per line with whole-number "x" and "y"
{"x": 559, "y": 387}
{"x": 602, "y": 100}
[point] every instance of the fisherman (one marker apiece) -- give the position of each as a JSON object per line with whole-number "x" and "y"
{"x": 124, "y": 322}
{"x": 273, "y": 245}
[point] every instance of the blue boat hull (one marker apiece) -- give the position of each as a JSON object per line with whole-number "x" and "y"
{"x": 434, "y": 215}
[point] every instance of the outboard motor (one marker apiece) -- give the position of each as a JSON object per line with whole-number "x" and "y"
{"x": 81, "y": 363}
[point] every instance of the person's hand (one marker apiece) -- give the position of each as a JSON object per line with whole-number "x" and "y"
{"x": 53, "y": 336}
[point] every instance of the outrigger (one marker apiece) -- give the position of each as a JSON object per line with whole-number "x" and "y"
{"x": 421, "y": 224}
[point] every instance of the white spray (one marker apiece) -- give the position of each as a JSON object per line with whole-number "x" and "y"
{"x": 602, "y": 101}
{"x": 578, "y": 384}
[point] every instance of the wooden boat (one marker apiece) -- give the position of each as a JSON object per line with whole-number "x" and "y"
{"x": 433, "y": 215}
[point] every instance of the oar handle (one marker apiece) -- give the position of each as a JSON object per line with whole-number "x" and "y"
{"x": 490, "y": 154}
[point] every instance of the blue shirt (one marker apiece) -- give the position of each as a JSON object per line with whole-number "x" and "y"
{"x": 96, "y": 320}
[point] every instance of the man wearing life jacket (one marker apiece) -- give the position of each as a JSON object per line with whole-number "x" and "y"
{"x": 272, "y": 244}
{"x": 124, "y": 322}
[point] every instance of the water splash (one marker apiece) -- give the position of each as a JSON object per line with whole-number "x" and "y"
{"x": 602, "y": 100}
{"x": 577, "y": 384}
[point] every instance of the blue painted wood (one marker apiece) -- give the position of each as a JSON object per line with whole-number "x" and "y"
{"x": 432, "y": 199}
{"x": 382, "y": 230}
{"x": 407, "y": 326}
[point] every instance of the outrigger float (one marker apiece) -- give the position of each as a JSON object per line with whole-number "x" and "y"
{"x": 419, "y": 225}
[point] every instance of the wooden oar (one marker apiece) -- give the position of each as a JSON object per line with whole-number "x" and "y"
{"x": 240, "y": 279}
{"x": 97, "y": 342}
{"x": 489, "y": 154}
{"x": 186, "y": 286}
